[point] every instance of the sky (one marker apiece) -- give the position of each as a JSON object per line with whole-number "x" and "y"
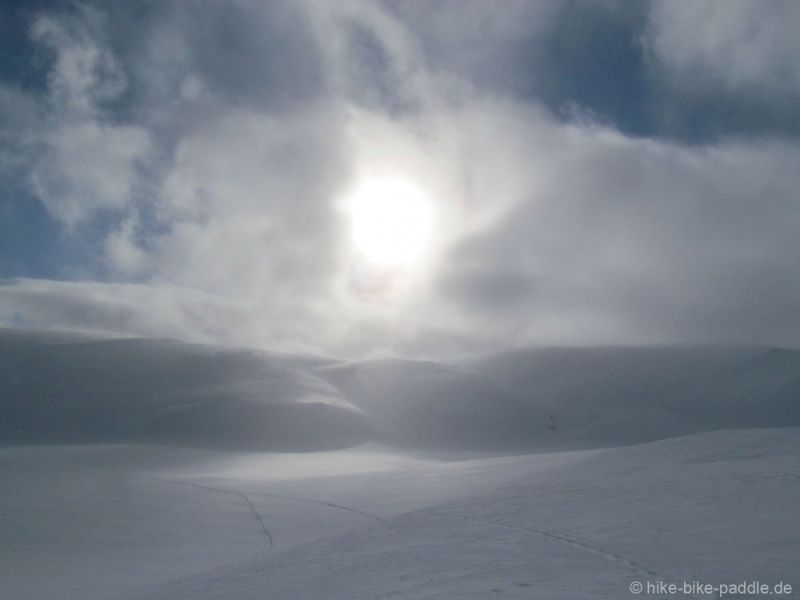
{"x": 593, "y": 172}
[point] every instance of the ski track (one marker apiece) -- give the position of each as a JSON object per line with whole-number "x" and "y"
{"x": 557, "y": 537}
{"x": 562, "y": 539}
{"x": 178, "y": 583}
{"x": 568, "y": 541}
{"x": 322, "y": 502}
{"x": 266, "y": 533}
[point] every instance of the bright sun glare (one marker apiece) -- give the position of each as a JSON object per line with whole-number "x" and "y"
{"x": 391, "y": 222}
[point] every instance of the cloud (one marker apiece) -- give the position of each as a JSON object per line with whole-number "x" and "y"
{"x": 20, "y": 115}
{"x": 204, "y": 152}
{"x": 85, "y": 73}
{"x": 134, "y": 309}
{"x": 743, "y": 46}
{"x": 122, "y": 250}
{"x": 731, "y": 68}
{"x": 88, "y": 167}
{"x": 80, "y": 161}
{"x": 636, "y": 240}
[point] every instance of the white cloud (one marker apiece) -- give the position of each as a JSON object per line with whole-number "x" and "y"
{"x": 740, "y": 45}
{"x": 248, "y": 203}
{"x": 84, "y": 162}
{"x": 124, "y": 254}
{"x": 154, "y": 311}
{"x": 224, "y": 186}
{"x": 84, "y": 73}
{"x": 88, "y": 166}
{"x": 633, "y": 240}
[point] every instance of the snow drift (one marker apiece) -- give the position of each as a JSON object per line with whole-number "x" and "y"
{"x": 153, "y": 523}
{"x": 717, "y": 507}
{"x": 95, "y": 510}
{"x": 72, "y": 389}
{"x": 610, "y": 396}
{"x": 67, "y": 388}
{"x": 428, "y": 404}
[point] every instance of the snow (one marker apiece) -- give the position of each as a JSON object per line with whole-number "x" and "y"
{"x": 609, "y": 396}
{"x": 133, "y": 390}
{"x": 713, "y": 508}
{"x": 664, "y": 464}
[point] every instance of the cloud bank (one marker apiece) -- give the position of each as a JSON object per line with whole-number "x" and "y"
{"x": 602, "y": 172}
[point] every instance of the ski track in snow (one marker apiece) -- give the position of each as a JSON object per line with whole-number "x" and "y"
{"x": 558, "y": 538}
{"x": 568, "y": 541}
{"x": 257, "y": 515}
{"x": 267, "y": 535}
{"x": 322, "y": 502}
{"x": 608, "y": 555}
{"x": 549, "y": 535}
{"x": 236, "y": 567}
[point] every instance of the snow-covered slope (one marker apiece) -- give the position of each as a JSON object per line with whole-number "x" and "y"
{"x": 164, "y": 504}
{"x": 157, "y": 523}
{"x": 570, "y": 398}
{"x": 433, "y": 405}
{"x": 598, "y": 397}
{"x": 715, "y": 508}
{"x": 62, "y": 388}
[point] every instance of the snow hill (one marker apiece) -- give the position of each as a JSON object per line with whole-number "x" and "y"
{"x": 74, "y": 389}
{"x": 612, "y": 396}
{"x": 139, "y": 469}
{"x": 156, "y": 523}
{"x": 64, "y": 388}
{"x": 712, "y": 508}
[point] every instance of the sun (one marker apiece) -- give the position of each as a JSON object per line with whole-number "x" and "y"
{"x": 391, "y": 222}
